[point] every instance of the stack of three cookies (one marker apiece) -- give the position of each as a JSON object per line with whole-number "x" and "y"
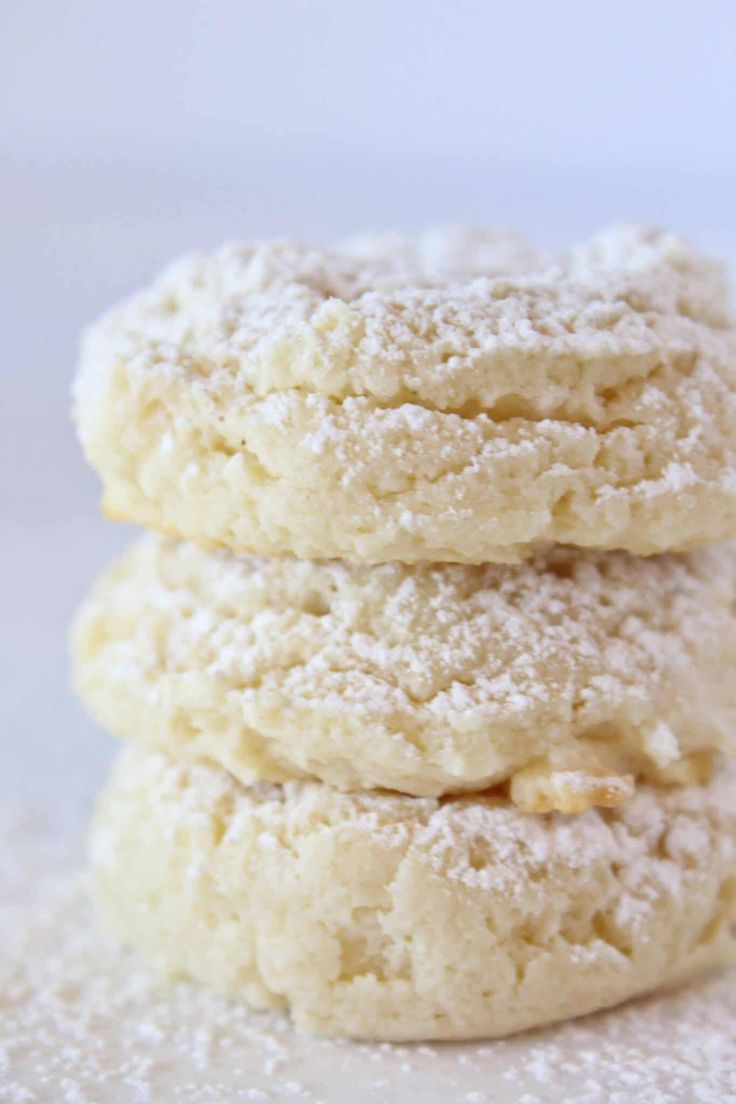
{"x": 459, "y": 769}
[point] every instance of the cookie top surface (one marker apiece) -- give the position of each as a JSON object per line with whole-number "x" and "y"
{"x": 455, "y": 396}
{"x": 567, "y": 676}
{"x": 400, "y": 318}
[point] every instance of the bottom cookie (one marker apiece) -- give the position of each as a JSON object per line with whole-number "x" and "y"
{"x": 388, "y": 917}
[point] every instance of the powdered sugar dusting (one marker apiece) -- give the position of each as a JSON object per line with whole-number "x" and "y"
{"x": 457, "y": 396}
{"x": 597, "y": 664}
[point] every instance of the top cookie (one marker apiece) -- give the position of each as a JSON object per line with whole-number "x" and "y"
{"x": 453, "y": 397}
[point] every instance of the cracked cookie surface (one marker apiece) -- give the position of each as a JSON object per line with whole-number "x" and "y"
{"x": 387, "y": 917}
{"x": 565, "y": 678}
{"x": 452, "y": 397}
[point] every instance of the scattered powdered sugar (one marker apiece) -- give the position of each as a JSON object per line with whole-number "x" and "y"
{"x": 81, "y": 1023}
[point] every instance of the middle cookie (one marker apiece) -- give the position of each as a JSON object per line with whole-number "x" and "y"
{"x": 566, "y": 677}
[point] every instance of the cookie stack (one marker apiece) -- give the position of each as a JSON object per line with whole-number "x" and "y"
{"x": 426, "y": 667}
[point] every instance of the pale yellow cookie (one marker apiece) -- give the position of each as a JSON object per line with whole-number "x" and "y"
{"x": 450, "y": 398}
{"x": 388, "y": 917}
{"x": 567, "y": 676}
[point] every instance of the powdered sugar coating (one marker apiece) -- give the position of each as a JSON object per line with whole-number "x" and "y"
{"x": 456, "y": 398}
{"x": 395, "y": 918}
{"x": 565, "y": 675}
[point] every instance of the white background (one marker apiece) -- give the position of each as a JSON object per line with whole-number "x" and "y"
{"x": 133, "y": 131}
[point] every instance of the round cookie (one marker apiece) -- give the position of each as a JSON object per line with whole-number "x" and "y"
{"x": 447, "y": 398}
{"x": 387, "y": 917}
{"x": 567, "y": 676}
